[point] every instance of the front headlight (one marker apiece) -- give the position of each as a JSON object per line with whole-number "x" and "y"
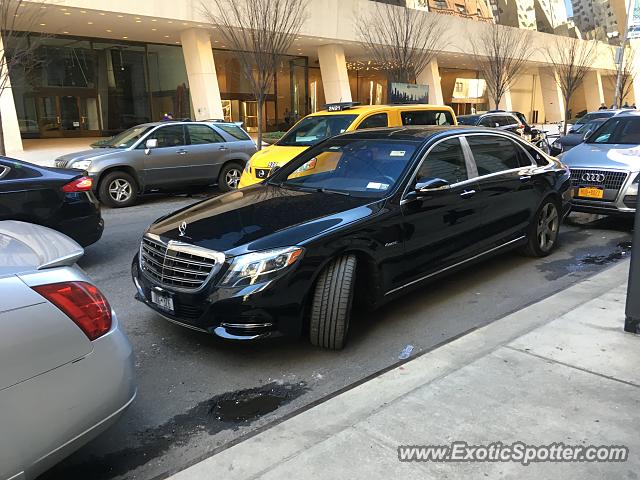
{"x": 260, "y": 267}
{"x": 81, "y": 165}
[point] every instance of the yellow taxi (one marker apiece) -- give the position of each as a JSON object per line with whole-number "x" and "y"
{"x": 339, "y": 118}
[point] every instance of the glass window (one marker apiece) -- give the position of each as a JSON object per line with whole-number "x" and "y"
{"x": 358, "y": 167}
{"x": 127, "y": 138}
{"x": 507, "y": 120}
{"x": 169, "y": 136}
{"x": 168, "y": 83}
{"x": 445, "y": 161}
{"x": 375, "y": 121}
{"x": 493, "y": 154}
{"x": 490, "y": 121}
{"x": 311, "y": 130}
{"x": 17, "y": 171}
{"x": 468, "y": 119}
{"x": 624, "y": 130}
{"x": 235, "y": 131}
{"x": 201, "y": 134}
{"x": 426, "y": 117}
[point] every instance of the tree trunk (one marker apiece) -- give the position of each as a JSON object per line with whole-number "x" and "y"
{"x": 260, "y": 106}
{"x": 3, "y": 151}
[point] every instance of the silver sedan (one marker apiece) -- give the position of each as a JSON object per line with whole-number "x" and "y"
{"x": 67, "y": 369}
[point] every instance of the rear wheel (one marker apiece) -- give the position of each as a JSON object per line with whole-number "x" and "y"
{"x": 544, "y": 230}
{"x": 331, "y": 307}
{"x": 118, "y": 189}
{"x": 229, "y": 177}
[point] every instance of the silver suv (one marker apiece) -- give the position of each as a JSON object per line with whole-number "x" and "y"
{"x": 164, "y": 155}
{"x": 605, "y": 168}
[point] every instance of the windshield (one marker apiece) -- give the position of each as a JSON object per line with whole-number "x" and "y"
{"x": 468, "y": 119}
{"x": 621, "y": 130}
{"x": 126, "y": 138}
{"x": 592, "y": 116}
{"x": 311, "y": 130}
{"x": 358, "y": 167}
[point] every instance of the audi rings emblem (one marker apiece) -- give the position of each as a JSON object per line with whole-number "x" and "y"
{"x": 593, "y": 177}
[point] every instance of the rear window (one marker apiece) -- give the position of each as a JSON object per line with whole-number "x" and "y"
{"x": 427, "y": 117}
{"x": 468, "y": 119}
{"x": 235, "y": 131}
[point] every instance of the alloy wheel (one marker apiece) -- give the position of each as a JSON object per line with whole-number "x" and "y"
{"x": 232, "y": 178}
{"x": 120, "y": 190}
{"x": 548, "y": 225}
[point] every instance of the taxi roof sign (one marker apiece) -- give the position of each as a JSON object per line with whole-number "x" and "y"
{"x": 338, "y": 107}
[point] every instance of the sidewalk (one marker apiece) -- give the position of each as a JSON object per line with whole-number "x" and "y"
{"x": 44, "y": 151}
{"x": 560, "y": 370}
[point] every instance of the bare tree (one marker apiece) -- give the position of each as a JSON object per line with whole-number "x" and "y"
{"x": 627, "y": 76}
{"x": 260, "y": 32}
{"x": 571, "y": 59}
{"x": 400, "y": 40}
{"x": 502, "y": 53}
{"x": 16, "y": 50}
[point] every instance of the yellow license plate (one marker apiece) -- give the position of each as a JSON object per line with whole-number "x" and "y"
{"x": 590, "y": 192}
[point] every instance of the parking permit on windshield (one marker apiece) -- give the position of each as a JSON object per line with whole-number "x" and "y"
{"x": 377, "y": 186}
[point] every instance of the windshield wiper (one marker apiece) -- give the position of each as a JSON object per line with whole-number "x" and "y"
{"x": 338, "y": 192}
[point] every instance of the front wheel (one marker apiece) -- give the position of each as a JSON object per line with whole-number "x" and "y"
{"x": 331, "y": 306}
{"x": 118, "y": 189}
{"x": 544, "y": 230}
{"x": 229, "y": 177}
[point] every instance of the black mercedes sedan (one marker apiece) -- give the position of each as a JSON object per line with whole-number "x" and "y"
{"x": 53, "y": 197}
{"x": 355, "y": 220}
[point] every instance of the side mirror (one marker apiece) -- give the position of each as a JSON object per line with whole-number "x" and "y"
{"x": 150, "y": 144}
{"x": 429, "y": 185}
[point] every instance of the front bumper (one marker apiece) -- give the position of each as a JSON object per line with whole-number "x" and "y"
{"x": 247, "y": 179}
{"x": 622, "y": 204}
{"x": 238, "y": 313}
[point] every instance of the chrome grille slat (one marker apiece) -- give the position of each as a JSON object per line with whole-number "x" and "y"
{"x": 176, "y": 268}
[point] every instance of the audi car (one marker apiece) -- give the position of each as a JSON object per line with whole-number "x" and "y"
{"x": 357, "y": 219}
{"x": 605, "y": 168}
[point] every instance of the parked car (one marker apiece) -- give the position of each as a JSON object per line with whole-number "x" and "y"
{"x": 368, "y": 214}
{"x": 578, "y": 134}
{"x": 67, "y": 369}
{"x": 604, "y": 169}
{"x": 162, "y": 156}
{"x": 60, "y": 199}
{"x": 500, "y": 120}
{"x": 339, "y": 118}
{"x": 573, "y": 125}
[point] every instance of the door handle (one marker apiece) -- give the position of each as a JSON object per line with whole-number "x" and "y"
{"x": 182, "y": 152}
{"x": 222, "y": 147}
{"x": 525, "y": 178}
{"x": 468, "y": 193}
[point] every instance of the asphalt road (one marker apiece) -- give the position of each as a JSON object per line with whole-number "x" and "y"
{"x": 197, "y": 393}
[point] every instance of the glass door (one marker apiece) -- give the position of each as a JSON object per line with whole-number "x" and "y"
{"x": 68, "y": 116}
{"x": 49, "y": 116}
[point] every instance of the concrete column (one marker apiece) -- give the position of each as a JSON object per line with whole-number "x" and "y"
{"x": 10, "y": 125}
{"x": 201, "y": 72}
{"x": 551, "y": 96}
{"x": 635, "y": 45}
{"x": 431, "y": 76}
{"x": 506, "y": 102}
{"x": 335, "y": 79}
{"x": 593, "y": 90}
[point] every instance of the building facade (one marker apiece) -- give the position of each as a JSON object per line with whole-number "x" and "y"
{"x": 104, "y": 70}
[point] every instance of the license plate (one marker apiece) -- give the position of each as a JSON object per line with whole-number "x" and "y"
{"x": 591, "y": 192}
{"x": 262, "y": 172}
{"x": 165, "y": 302}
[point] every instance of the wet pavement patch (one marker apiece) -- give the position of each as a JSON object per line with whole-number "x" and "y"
{"x": 227, "y": 411}
{"x": 586, "y": 260}
{"x": 622, "y": 250}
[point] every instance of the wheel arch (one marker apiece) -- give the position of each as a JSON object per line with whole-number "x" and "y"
{"x": 124, "y": 168}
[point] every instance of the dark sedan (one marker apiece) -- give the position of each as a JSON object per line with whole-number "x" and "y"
{"x": 357, "y": 219}
{"x": 575, "y": 136}
{"x": 53, "y": 197}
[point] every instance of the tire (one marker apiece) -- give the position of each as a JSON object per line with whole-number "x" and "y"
{"x": 229, "y": 177}
{"x": 543, "y": 231}
{"x": 331, "y": 307}
{"x": 118, "y": 189}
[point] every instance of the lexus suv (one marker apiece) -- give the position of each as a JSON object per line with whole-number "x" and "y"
{"x": 357, "y": 219}
{"x": 163, "y": 156}
{"x": 605, "y": 168}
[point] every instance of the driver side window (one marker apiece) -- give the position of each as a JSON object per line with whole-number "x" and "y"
{"x": 446, "y": 161}
{"x": 169, "y": 136}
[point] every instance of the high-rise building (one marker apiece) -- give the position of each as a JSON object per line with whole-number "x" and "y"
{"x": 600, "y": 19}
{"x": 472, "y": 9}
